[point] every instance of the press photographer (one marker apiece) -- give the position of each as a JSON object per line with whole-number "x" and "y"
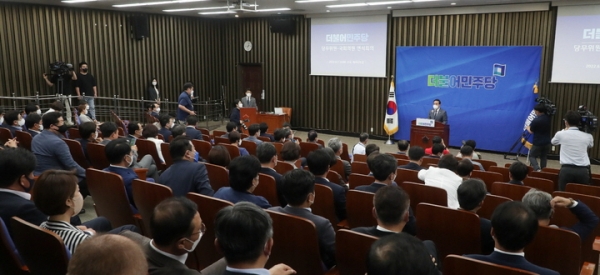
{"x": 62, "y": 78}
{"x": 574, "y": 159}
{"x": 540, "y": 128}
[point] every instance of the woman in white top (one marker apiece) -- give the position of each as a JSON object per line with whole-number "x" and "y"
{"x": 83, "y": 111}
{"x": 150, "y": 132}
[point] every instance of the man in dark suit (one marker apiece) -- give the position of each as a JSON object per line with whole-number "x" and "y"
{"x": 186, "y": 174}
{"x": 415, "y": 154}
{"x": 438, "y": 113}
{"x": 400, "y": 254}
{"x": 318, "y": 163}
{"x": 543, "y": 206}
{"x": 513, "y": 227}
{"x": 33, "y": 123}
{"x": 134, "y": 130}
{"x": 383, "y": 167}
{"x": 13, "y": 122}
{"x": 248, "y": 100}
{"x": 267, "y": 155}
{"x": 166, "y": 123}
{"x": 299, "y": 190}
{"x": 471, "y": 194}
{"x": 246, "y": 251}
{"x": 190, "y": 129}
{"x": 254, "y": 133}
{"x": 119, "y": 155}
{"x": 243, "y": 179}
{"x": 403, "y": 147}
{"x": 263, "y": 131}
{"x": 337, "y": 146}
{"x": 517, "y": 172}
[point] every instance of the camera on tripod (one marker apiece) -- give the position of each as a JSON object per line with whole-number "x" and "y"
{"x": 550, "y": 107}
{"x": 588, "y": 122}
{"x": 60, "y": 68}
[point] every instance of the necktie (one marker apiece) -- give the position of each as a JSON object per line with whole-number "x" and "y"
{"x": 435, "y": 115}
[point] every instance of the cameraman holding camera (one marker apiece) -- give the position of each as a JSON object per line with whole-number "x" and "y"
{"x": 540, "y": 128}
{"x": 574, "y": 160}
{"x": 67, "y": 88}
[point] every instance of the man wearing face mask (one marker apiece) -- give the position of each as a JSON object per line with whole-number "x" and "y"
{"x": 166, "y": 123}
{"x": 52, "y": 152}
{"x": 32, "y": 108}
{"x": 438, "y": 113}
{"x": 33, "y": 123}
{"x": 14, "y": 121}
{"x": 86, "y": 88}
{"x": 186, "y": 174}
{"x": 185, "y": 107}
{"x": 249, "y": 101}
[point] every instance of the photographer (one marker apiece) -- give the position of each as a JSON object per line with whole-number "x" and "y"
{"x": 574, "y": 160}
{"x": 68, "y": 76}
{"x": 540, "y": 128}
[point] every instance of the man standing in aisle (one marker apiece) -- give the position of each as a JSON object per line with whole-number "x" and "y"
{"x": 574, "y": 159}
{"x": 249, "y": 101}
{"x": 85, "y": 87}
{"x": 185, "y": 107}
{"x": 540, "y": 128}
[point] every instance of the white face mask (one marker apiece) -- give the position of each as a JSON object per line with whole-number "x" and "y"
{"x": 21, "y": 122}
{"x": 194, "y": 243}
{"x": 87, "y": 107}
{"x": 154, "y": 83}
{"x": 41, "y": 127}
{"x": 96, "y": 135}
{"x": 130, "y": 160}
{"x": 39, "y": 111}
{"x": 192, "y": 94}
{"x": 157, "y": 110}
{"x": 78, "y": 203}
{"x": 240, "y": 105}
{"x": 248, "y": 95}
{"x": 435, "y": 107}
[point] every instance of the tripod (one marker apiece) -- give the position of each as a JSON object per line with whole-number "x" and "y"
{"x": 520, "y": 142}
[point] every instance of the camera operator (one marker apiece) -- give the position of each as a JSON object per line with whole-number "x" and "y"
{"x": 85, "y": 87}
{"x": 574, "y": 160}
{"x": 66, "y": 92}
{"x": 540, "y": 128}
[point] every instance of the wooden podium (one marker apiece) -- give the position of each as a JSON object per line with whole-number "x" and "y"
{"x": 422, "y": 135}
{"x": 251, "y": 116}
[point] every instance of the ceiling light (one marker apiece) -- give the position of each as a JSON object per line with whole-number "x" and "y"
{"x": 348, "y": 5}
{"x": 277, "y": 9}
{"x": 387, "y": 3}
{"x": 78, "y": 1}
{"x": 453, "y": 4}
{"x": 199, "y": 9}
{"x": 157, "y": 3}
{"x": 216, "y": 12}
{"x": 313, "y": 1}
{"x": 426, "y": 0}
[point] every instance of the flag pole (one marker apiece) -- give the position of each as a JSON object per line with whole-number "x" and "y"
{"x": 389, "y": 141}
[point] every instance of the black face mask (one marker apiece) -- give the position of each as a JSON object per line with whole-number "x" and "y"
{"x": 63, "y": 128}
{"x": 27, "y": 189}
{"x": 85, "y": 70}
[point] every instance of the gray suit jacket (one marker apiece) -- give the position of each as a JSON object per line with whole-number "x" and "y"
{"x": 325, "y": 231}
{"x": 441, "y": 115}
{"x": 251, "y": 103}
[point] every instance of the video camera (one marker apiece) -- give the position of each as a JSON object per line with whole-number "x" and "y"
{"x": 60, "y": 68}
{"x": 550, "y": 107}
{"x": 588, "y": 122}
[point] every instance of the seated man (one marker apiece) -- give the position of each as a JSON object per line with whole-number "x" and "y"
{"x": 402, "y": 147}
{"x": 473, "y": 144}
{"x": 186, "y": 174}
{"x": 235, "y": 140}
{"x": 383, "y": 168}
{"x": 299, "y": 191}
{"x": 108, "y": 254}
{"x": 254, "y": 133}
{"x": 313, "y": 137}
{"x": 359, "y": 148}
{"x": 134, "y": 130}
{"x": 513, "y": 227}
{"x": 119, "y": 155}
{"x": 543, "y": 206}
{"x": 437, "y": 140}
{"x": 371, "y": 148}
{"x": 399, "y": 254}
{"x": 517, "y": 172}
{"x": 280, "y": 135}
{"x": 89, "y": 133}
{"x": 336, "y": 145}
{"x": 464, "y": 169}
{"x": 246, "y": 251}
{"x": 318, "y": 164}
{"x": 415, "y": 154}
{"x": 391, "y": 209}
{"x": 110, "y": 132}
{"x": 290, "y": 153}
{"x": 166, "y": 123}
{"x": 437, "y": 151}
{"x": 267, "y": 155}
{"x": 153, "y": 109}
{"x": 178, "y": 130}
{"x": 444, "y": 177}
{"x": 263, "y": 131}
{"x": 34, "y": 124}
{"x": 467, "y": 153}
{"x": 13, "y": 122}
{"x": 231, "y": 126}
{"x": 471, "y": 194}
{"x": 243, "y": 179}
{"x": 190, "y": 129}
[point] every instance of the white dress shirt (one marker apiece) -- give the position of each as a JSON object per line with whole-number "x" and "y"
{"x": 157, "y": 142}
{"x": 445, "y": 179}
{"x": 573, "y": 146}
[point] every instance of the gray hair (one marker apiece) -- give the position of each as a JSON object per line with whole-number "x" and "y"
{"x": 539, "y": 202}
{"x": 335, "y": 144}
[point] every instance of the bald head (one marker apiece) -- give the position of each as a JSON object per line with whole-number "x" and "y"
{"x": 108, "y": 254}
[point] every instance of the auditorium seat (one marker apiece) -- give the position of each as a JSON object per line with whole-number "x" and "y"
{"x": 359, "y": 205}
{"x": 206, "y": 253}
{"x": 487, "y": 177}
{"x": 459, "y": 265}
{"x": 418, "y": 193}
{"x": 351, "y": 251}
{"x": 489, "y": 205}
{"x": 540, "y": 184}
{"x": 359, "y": 157}
{"x": 5, "y": 135}
{"x": 407, "y": 175}
{"x": 583, "y": 189}
{"x": 24, "y": 139}
{"x": 556, "y": 249}
{"x": 399, "y": 156}
{"x": 359, "y": 179}
{"x": 250, "y": 147}
{"x": 427, "y": 161}
{"x": 206, "y": 138}
{"x": 267, "y": 188}
{"x": 147, "y": 195}
{"x": 217, "y": 175}
{"x": 284, "y": 167}
{"x": 334, "y": 177}
{"x": 453, "y": 231}
{"x": 43, "y": 251}
{"x": 486, "y": 163}
{"x": 73, "y": 133}
{"x": 345, "y": 155}
{"x": 401, "y": 162}
{"x": 161, "y": 137}
{"x": 203, "y": 131}
{"x": 550, "y": 170}
{"x": 221, "y": 140}
{"x": 307, "y": 147}
{"x": 508, "y": 190}
{"x": 233, "y": 150}
{"x": 360, "y": 167}
{"x": 10, "y": 260}
{"x": 218, "y": 133}
{"x": 552, "y": 177}
{"x": 278, "y": 147}
{"x": 147, "y": 147}
{"x": 338, "y": 167}
{"x": 203, "y": 147}
{"x": 77, "y": 153}
{"x": 502, "y": 170}
{"x": 324, "y": 205}
{"x": 97, "y": 156}
{"x": 265, "y": 139}
{"x": 166, "y": 153}
{"x": 529, "y": 168}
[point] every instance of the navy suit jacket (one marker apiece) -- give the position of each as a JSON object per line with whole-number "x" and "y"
{"x": 516, "y": 182}
{"x": 487, "y": 242}
{"x": 13, "y": 205}
{"x": 278, "y": 183}
{"x": 411, "y": 166}
{"x": 587, "y": 220}
{"x": 128, "y": 176}
{"x": 32, "y": 133}
{"x": 441, "y": 115}
{"x": 267, "y": 135}
{"x": 372, "y": 230}
{"x": 166, "y": 133}
{"x": 512, "y": 261}
{"x": 192, "y": 133}
{"x": 230, "y": 195}
{"x": 186, "y": 176}
{"x": 339, "y": 197}
{"x": 325, "y": 231}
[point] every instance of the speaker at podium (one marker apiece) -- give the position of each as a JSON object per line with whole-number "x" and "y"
{"x": 422, "y": 131}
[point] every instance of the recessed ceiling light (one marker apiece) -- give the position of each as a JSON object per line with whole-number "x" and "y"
{"x": 237, "y": 15}
{"x": 199, "y": 9}
{"x": 216, "y": 12}
{"x": 277, "y": 9}
{"x": 157, "y": 3}
{"x": 387, "y": 3}
{"x": 453, "y": 4}
{"x": 77, "y": 1}
{"x": 389, "y": 7}
{"x": 347, "y": 5}
{"x": 313, "y": 1}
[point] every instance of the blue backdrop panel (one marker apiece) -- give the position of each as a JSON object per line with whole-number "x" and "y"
{"x": 486, "y": 91}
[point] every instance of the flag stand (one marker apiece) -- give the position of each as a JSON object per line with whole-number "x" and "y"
{"x": 389, "y": 141}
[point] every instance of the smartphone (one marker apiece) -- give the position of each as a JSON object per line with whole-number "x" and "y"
{"x": 131, "y": 141}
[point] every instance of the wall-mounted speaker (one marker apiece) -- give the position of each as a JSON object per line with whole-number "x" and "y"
{"x": 285, "y": 25}
{"x": 140, "y": 27}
